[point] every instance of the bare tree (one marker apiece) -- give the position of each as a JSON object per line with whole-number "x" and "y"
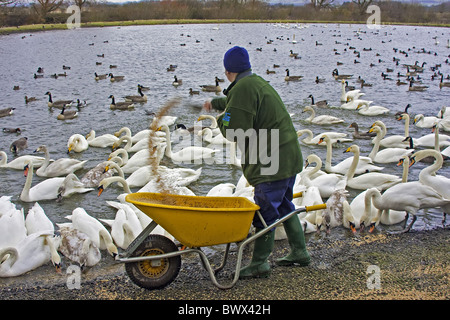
{"x": 80, "y": 3}
{"x": 362, "y": 5}
{"x": 4, "y": 3}
{"x": 44, "y": 7}
{"x": 321, "y": 4}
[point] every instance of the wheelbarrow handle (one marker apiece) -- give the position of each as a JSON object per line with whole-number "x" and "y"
{"x": 298, "y": 194}
{"x": 316, "y": 207}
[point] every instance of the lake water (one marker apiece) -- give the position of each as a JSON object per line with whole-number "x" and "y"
{"x": 143, "y": 53}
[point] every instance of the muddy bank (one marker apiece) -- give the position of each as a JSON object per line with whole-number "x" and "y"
{"x": 376, "y": 266}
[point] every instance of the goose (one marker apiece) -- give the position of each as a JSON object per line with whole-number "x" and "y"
{"x": 365, "y": 164}
{"x": 293, "y": 54}
{"x": 336, "y": 137}
{"x": 177, "y": 82}
{"x": 416, "y": 88}
{"x": 394, "y": 141}
{"x": 12, "y": 224}
{"x": 387, "y": 155}
{"x": 19, "y": 162}
{"x": 115, "y": 78}
{"x": 443, "y": 84}
{"x": 328, "y": 183}
{"x": 207, "y": 135}
{"x": 366, "y": 110}
{"x": 103, "y": 141}
{"x": 346, "y": 96}
{"x": 424, "y": 122}
{"x": 77, "y": 246}
{"x": 67, "y": 115}
{"x": 57, "y": 103}
{"x": 322, "y": 119}
{"x": 288, "y": 77}
{"x": 212, "y": 88}
{"x": 187, "y": 154}
{"x": 320, "y": 104}
{"x": 100, "y": 76}
{"x": 77, "y": 143}
{"x": 139, "y": 98}
{"x": 59, "y": 167}
{"x": 409, "y": 197}
{"x": 31, "y": 253}
{"x": 45, "y": 190}
{"x": 367, "y": 180}
{"x": 122, "y": 105}
{"x": 338, "y": 76}
{"x": 70, "y": 186}
{"x": 361, "y": 135}
{"x": 94, "y": 229}
{"x": 19, "y": 145}
{"x": 12, "y": 130}
{"x": 352, "y": 104}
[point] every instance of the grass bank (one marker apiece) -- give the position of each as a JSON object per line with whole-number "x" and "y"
{"x": 63, "y": 26}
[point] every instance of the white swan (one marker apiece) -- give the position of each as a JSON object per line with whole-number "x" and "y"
{"x": 77, "y": 246}
{"x": 387, "y": 155}
{"x": 143, "y": 158}
{"x": 163, "y": 120}
{"x": 31, "y": 253}
{"x": 353, "y": 104}
{"x": 393, "y": 141}
{"x": 93, "y": 228}
{"x": 187, "y": 154}
{"x": 71, "y": 185}
{"x": 207, "y": 135}
{"x": 322, "y": 119}
{"x": 12, "y": 226}
{"x": 213, "y": 125}
{"x": 103, "y": 141}
{"x": 136, "y": 137}
{"x": 333, "y": 215}
{"x": 349, "y": 95}
{"x": 60, "y": 167}
{"x": 92, "y": 178}
{"x": 368, "y": 180}
{"x": 424, "y": 122}
{"x": 435, "y": 139}
{"x": 409, "y": 197}
{"x": 222, "y": 190}
{"x": 336, "y": 137}
{"x": 37, "y": 221}
{"x": 365, "y": 164}
{"x": 19, "y": 162}
{"x": 367, "y": 110}
{"x": 77, "y": 143}
{"x": 45, "y": 190}
{"x": 328, "y": 183}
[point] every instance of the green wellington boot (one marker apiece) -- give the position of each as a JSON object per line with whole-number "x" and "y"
{"x": 296, "y": 238}
{"x": 259, "y": 267}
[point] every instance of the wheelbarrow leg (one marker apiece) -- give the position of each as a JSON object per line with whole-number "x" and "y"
{"x": 224, "y": 260}
{"x": 140, "y": 238}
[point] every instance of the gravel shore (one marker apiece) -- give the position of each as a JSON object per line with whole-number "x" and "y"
{"x": 378, "y": 266}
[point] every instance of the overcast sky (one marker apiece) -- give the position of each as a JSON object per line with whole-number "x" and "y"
{"x": 304, "y": 1}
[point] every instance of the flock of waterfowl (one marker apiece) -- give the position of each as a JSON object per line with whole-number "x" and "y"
{"x": 30, "y": 239}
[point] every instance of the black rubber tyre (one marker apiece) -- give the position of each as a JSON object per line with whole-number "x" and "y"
{"x": 154, "y": 274}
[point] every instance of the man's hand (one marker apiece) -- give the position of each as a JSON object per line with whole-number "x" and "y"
{"x": 207, "y": 105}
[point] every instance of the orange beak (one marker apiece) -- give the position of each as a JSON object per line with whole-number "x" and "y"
{"x": 100, "y": 190}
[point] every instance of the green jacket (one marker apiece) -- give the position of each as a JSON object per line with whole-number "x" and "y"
{"x": 262, "y": 128}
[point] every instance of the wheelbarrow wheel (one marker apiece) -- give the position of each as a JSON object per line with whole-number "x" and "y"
{"x": 154, "y": 274}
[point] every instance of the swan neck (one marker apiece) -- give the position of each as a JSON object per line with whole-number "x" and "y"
{"x": 329, "y": 155}
{"x": 376, "y": 146}
{"x": 4, "y": 158}
{"x": 351, "y": 171}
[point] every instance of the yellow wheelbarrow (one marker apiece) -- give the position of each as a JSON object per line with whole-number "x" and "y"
{"x": 153, "y": 261}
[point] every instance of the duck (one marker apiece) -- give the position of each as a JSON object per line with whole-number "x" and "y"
{"x": 328, "y": 183}
{"x": 387, "y": 155}
{"x": 320, "y": 104}
{"x": 336, "y": 137}
{"x": 192, "y": 92}
{"x": 30, "y": 99}
{"x": 409, "y": 197}
{"x": 367, "y": 180}
{"x": 365, "y": 164}
{"x": 6, "y": 112}
{"x": 59, "y": 167}
{"x": 177, "y": 82}
{"x": 66, "y": 115}
{"x": 288, "y": 77}
{"x": 77, "y": 143}
{"x": 122, "y": 105}
{"x": 424, "y": 122}
{"x": 346, "y": 96}
{"x": 322, "y": 119}
{"x": 187, "y": 154}
{"x": 212, "y": 88}
{"x": 94, "y": 229}
{"x": 366, "y": 110}
{"x": 77, "y": 246}
{"x": 361, "y": 135}
{"x": 19, "y": 145}
{"x": 103, "y": 141}
{"x": 19, "y": 162}
{"x": 115, "y": 78}
{"x": 31, "y": 253}
{"x": 137, "y": 98}
{"x": 57, "y": 103}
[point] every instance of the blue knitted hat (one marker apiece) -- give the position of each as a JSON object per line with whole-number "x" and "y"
{"x": 236, "y": 60}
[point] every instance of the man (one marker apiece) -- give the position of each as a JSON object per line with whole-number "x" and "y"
{"x": 255, "y": 117}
